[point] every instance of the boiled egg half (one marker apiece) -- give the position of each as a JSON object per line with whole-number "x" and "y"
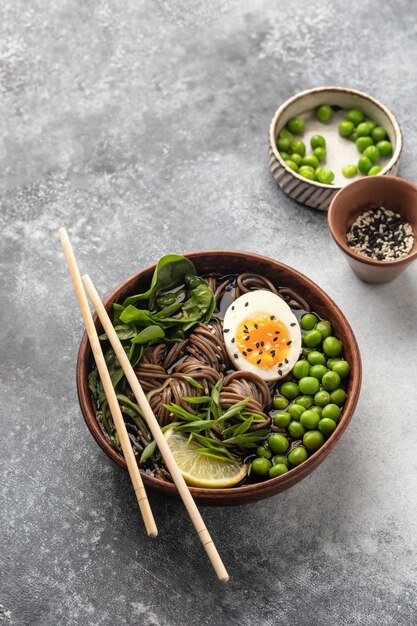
{"x": 262, "y": 335}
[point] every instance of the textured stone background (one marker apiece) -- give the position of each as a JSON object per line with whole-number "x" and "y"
{"x": 142, "y": 127}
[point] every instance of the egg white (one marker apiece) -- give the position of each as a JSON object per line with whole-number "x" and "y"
{"x": 260, "y": 303}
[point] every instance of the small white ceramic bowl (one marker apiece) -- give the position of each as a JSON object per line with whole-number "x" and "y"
{"x": 312, "y": 193}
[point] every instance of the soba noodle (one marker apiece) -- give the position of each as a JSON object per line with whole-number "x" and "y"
{"x": 168, "y": 372}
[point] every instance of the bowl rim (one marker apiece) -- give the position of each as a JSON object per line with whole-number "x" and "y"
{"x": 302, "y": 94}
{"x": 395, "y": 180}
{"x": 247, "y": 492}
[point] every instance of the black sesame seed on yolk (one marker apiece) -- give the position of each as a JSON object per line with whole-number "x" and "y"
{"x": 271, "y": 334}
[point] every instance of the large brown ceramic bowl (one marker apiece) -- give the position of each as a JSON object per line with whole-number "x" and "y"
{"x": 227, "y": 262}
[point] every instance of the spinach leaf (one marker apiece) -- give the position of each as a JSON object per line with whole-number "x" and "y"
{"x": 169, "y": 272}
{"x": 150, "y": 333}
{"x": 141, "y": 317}
{"x": 93, "y": 381}
{"x": 117, "y": 310}
{"x": 115, "y": 371}
{"x": 123, "y": 331}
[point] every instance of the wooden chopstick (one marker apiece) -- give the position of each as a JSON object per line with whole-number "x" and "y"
{"x": 119, "y": 423}
{"x": 156, "y": 431}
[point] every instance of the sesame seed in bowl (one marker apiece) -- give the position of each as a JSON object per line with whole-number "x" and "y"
{"x": 380, "y": 234}
{"x": 373, "y": 221}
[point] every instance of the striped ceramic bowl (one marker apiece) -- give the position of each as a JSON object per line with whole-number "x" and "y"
{"x": 312, "y": 193}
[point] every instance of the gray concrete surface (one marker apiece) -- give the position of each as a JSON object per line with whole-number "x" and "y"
{"x": 142, "y": 126}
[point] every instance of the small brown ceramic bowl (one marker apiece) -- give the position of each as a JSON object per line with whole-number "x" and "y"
{"x": 393, "y": 193}
{"x": 313, "y": 193}
{"x": 230, "y": 262}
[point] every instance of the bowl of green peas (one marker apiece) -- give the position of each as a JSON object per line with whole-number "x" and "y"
{"x": 322, "y": 139}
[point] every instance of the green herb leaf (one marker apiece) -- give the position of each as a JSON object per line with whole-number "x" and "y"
{"x": 148, "y": 452}
{"x": 178, "y": 411}
{"x": 123, "y": 331}
{"x": 151, "y": 448}
{"x": 234, "y": 409}
{"x": 141, "y": 317}
{"x": 196, "y": 426}
{"x": 219, "y": 457}
{"x": 150, "y": 333}
{"x": 196, "y": 399}
{"x": 169, "y": 272}
{"x": 193, "y": 382}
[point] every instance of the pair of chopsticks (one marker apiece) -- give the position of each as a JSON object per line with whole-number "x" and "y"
{"x": 85, "y": 283}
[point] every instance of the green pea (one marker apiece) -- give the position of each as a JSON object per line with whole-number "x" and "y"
{"x": 353, "y": 136}
{"x": 297, "y": 456}
{"x": 306, "y": 351}
{"x": 318, "y": 410}
{"x": 364, "y": 165}
{"x": 285, "y": 156}
{"x": 312, "y": 338}
{"x": 279, "y": 402}
{"x": 338, "y": 396}
{"x": 332, "y": 411}
{"x": 306, "y": 171}
{"x": 318, "y": 141}
{"x": 298, "y": 147}
{"x": 296, "y": 430}
{"x": 263, "y": 452}
{"x": 278, "y": 444}
{"x": 296, "y": 125}
{"x": 313, "y": 440}
{"x": 342, "y": 368}
{"x": 320, "y": 154}
{"x": 318, "y": 371}
{"x": 378, "y": 134}
{"x": 310, "y": 420}
{"x": 284, "y": 133}
{"x": 372, "y": 153}
{"x": 327, "y": 426}
{"x": 311, "y": 160}
{"x": 363, "y": 142}
{"x": 297, "y": 158}
{"x": 289, "y": 390}
{"x": 292, "y": 165}
{"x": 283, "y": 144}
{"x": 279, "y": 458}
{"x": 308, "y": 321}
{"x": 325, "y": 176}
{"x": 363, "y": 129}
{"x": 324, "y": 113}
{"x": 346, "y": 128}
{"x": 261, "y": 466}
{"x": 332, "y": 362}
{"x": 322, "y": 398}
{"x": 385, "y": 148}
{"x": 296, "y": 410}
{"x": 316, "y": 358}
{"x": 305, "y": 401}
{"x": 332, "y": 346}
{"x": 277, "y": 470}
{"x": 349, "y": 171}
{"x": 330, "y": 381}
{"x": 309, "y": 385}
{"x": 325, "y": 328}
{"x": 282, "y": 420}
{"x": 371, "y": 123}
{"x": 301, "y": 369}
{"x": 355, "y": 116}
{"x": 375, "y": 169}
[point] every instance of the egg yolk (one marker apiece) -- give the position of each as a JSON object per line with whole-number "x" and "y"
{"x": 263, "y": 340}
